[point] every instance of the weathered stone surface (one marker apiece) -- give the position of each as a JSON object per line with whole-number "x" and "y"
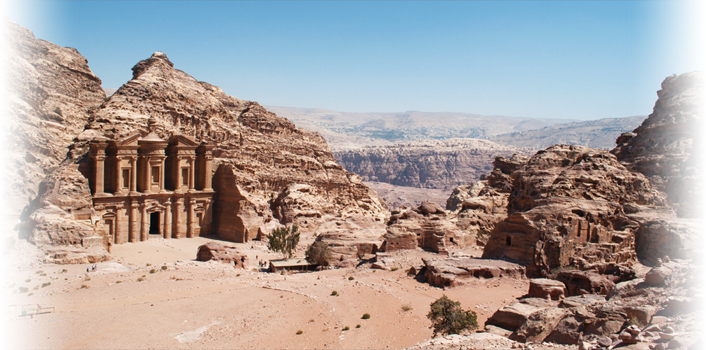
{"x": 657, "y": 276}
{"x": 426, "y": 227}
{"x": 65, "y": 255}
{"x": 666, "y": 147}
{"x": 352, "y": 238}
{"x": 454, "y": 271}
{"x": 539, "y": 324}
{"x": 51, "y": 93}
{"x": 478, "y": 207}
{"x": 567, "y": 208}
{"x": 63, "y": 214}
{"x": 512, "y": 316}
{"x": 221, "y": 253}
{"x": 583, "y": 282}
{"x": 268, "y": 171}
{"x": 546, "y": 288}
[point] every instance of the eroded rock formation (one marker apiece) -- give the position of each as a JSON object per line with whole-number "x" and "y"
{"x": 51, "y": 94}
{"x": 668, "y": 147}
{"x": 572, "y": 206}
{"x": 426, "y": 227}
{"x": 268, "y": 171}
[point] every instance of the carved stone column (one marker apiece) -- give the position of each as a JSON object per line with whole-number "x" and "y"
{"x": 191, "y": 174}
{"x": 117, "y": 238}
{"x": 179, "y": 208}
{"x": 190, "y": 219}
{"x": 100, "y": 174}
{"x": 168, "y": 219}
{"x": 133, "y": 176}
{"x": 132, "y": 233}
{"x": 162, "y": 180}
{"x": 145, "y": 222}
{"x": 208, "y": 176}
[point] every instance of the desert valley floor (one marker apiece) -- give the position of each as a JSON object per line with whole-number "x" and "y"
{"x": 192, "y": 304}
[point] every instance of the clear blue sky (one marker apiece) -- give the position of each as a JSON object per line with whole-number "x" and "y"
{"x": 556, "y": 59}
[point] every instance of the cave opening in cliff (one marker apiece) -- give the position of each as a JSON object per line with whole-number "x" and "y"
{"x": 154, "y": 223}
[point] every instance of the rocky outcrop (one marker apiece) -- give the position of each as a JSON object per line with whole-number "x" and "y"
{"x": 569, "y": 206}
{"x": 350, "y": 239}
{"x": 221, "y": 253}
{"x": 268, "y": 171}
{"x": 667, "y": 147}
{"x": 426, "y": 227}
{"x": 457, "y": 271}
{"x": 478, "y": 207}
{"x": 546, "y": 288}
{"x": 428, "y": 164}
{"x": 51, "y": 93}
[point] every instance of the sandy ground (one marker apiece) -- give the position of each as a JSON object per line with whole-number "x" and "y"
{"x": 154, "y": 295}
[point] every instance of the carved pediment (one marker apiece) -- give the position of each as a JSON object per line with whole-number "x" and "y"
{"x": 182, "y": 140}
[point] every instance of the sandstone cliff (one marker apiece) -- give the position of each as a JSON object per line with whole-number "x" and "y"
{"x": 579, "y": 207}
{"x": 668, "y": 146}
{"x": 51, "y": 94}
{"x": 426, "y": 164}
{"x": 268, "y": 171}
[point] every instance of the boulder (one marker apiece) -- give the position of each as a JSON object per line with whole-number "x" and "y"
{"x": 512, "y": 316}
{"x": 583, "y": 282}
{"x": 657, "y": 276}
{"x": 222, "y": 253}
{"x": 546, "y": 288}
{"x": 539, "y": 325}
{"x": 456, "y": 271}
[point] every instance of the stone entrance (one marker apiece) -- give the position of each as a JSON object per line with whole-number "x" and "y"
{"x": 154, "y": 224}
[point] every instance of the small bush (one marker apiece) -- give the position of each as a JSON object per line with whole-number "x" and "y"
{"x": 28, "y": 280}
{"x": 116, "y": 282}
{"x": 357, "y": 326}
{"x": 346, "y": 328}
{"x": 140, "y": 279}
{"x": 63, "y": 271}
{"x": 46, "y": 284}
{"x": 83, "y": 286}
{"x": 350, "y": 278}
{"x": 23, "y": 289}
{"x": 394, "y": 269}
{"x": 407, "y": 307}
{"x": 366, "y": 316}
{"x": 153, "y": 271}
{"x": 143, "y": 276}
{"x": 148, "y": 264}
{"x": 334, "y": 293}
{"x": 447, "y": 317}
{"x": 318, "y": 253}
{"x": 300, "y": 331}
{"x": 164, "y": 267}
{"x": 39, "y": 272}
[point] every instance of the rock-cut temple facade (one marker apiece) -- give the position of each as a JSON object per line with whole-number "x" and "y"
{"x": 144, "y": 185}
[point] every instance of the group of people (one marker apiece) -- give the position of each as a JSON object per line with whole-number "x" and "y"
{"x": 92, "y": 268}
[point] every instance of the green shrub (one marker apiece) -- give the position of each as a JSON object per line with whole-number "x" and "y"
{"x": 447, "y": 317}
{"x": 394, "y": 269}
{"x": 153, "y": 271}
{"x": 46, "y": 284}
{"x": 116, "y": 282}
{"x": 148, "y": 264}
{"x": 334, "y": 293}
{"x": 357, "y": 326}
{"x": 346, "y": 328}
{"x": 407, "y": 307}
{"x": 140, "y": 279}
{"x": 350, "y": 278}
{"x": 366, "y": 316}
{"x": 300, "y": 331}
{"x": 284, "y": 240}
{"x": 164, "y": 267}
{"x": 83, "y": 286}
{"x": 318, "y": 253}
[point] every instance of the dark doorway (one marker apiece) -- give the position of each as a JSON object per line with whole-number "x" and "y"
{"x": 154, "y": 223}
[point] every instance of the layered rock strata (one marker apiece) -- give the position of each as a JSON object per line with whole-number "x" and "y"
{"x": 426, "y": 227}
{"x": 426, "y": 164}
{"x": 266, "y": 171}
{"x": 51, "y": 93}
{"x": 478, "y": 207}
{"x": 571, "y": 206}
{"x": 667, "y": 148}
{"x": 454, "y": 272}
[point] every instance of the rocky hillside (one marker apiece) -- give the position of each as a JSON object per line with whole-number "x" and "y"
{"x": 668, "y": 146}
{"x": 426, "y": 164}
{"x": 51, "y": 94}
{"x": 593, "y": 133}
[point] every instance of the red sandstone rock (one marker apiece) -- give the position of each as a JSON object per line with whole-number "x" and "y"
{"x": 546, "y": 288}
{"x": 583, "y": 282}
{"x": 455, "y": 271}
{"x": 222, "y": 253}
